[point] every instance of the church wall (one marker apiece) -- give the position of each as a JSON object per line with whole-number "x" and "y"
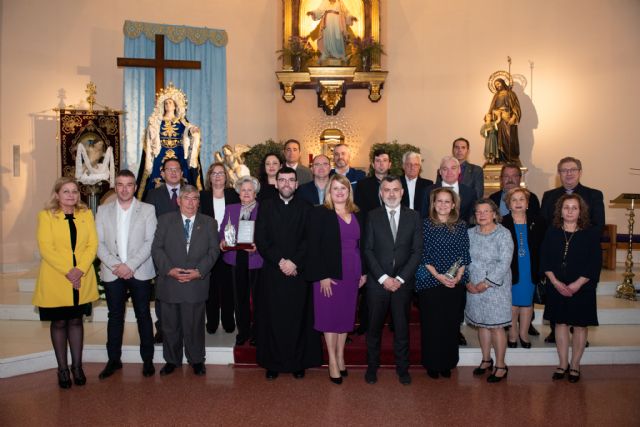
{"x": 48, "y": 48}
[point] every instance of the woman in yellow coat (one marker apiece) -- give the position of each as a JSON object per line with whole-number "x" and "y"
{"x": 67, "y": 284}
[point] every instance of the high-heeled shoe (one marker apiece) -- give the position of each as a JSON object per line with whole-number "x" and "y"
{"x": 560, "y": 373}
{"x": 574, "y": 375}
{"x": 64, "y": 378}
{"x": 78, "y": 375}
{"x": 336, "y": 380}
{"x": 512, "y": 344}
{"x": 480, "y": 370}
{"x": 495, "y": 379}
{"x": 524, "y": 344}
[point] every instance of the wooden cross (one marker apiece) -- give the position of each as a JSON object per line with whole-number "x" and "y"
{"x": 159, "y": 63}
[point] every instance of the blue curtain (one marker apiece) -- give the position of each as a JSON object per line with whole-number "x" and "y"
{"x": 206, "y": 91}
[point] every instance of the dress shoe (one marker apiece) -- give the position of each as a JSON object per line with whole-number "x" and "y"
{"x": 157, "y": 338}
{"x": 533, "y": 331}
{"x": 110, "y": 368}
{"x": 461, "y": 339}
{"x": 574, "y": 375}
{"x": 404, "y": 378}
{"x": 480, "y": 370}
{"x": 240, "y": 340}
{"x": 229, "y": 330}
{"x": 271, "y": 375}
{"x": 78, "y": 375}
{"x": 371, "y": 376}
{"x": 336, "y": 380}
{"x": 524, "y": 344}
{"x": 560, "y": 373}
{"x": 512, "y": 344}
{"x": 199, "y": 369}
{"x": 551, "y": 338}
{"x": 433, "y": 374}
{"x": 446, "y": 373}
{"x": 148, "y": 369}
{"x": 298, "y": 374}
{"x": 344, "y": 372}
{"x": 211, "y": 330}
{"x": 64, "y": 378}
{"x": 167, "y": 369}
{"x": 495, "y": 379}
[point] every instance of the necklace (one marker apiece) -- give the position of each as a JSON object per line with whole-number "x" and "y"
{"x": 521, "y": 251}
{"x": 566, "y": 245}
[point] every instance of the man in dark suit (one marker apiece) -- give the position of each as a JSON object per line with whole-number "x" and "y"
{"x": 449, "y": 172}
{"x": 392, "y": 250}
{"x": 469, "y": 174}
{"x": 313, "y": 192}
{"x": 510, "y": 178}
{"x": 570, "y": 172}
{"x": 342, "y": 160}
{"x": 292, "y": 155}
{"x": 184, "y": 249}
{"x": 413, "y": 185}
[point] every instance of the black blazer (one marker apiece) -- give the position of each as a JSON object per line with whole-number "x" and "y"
{"x": 534, "y": 203}
{"x": 592, "y": 197}
{"x": 367, "y": 194}
{"x": 324, "y": 254}
{"x": 383, "y": 255}
{"x": 536, "y": 228}
{"x": 418, "y": 198}
{"x": 309, "y": 192}
{"x": 159, "y": 198}
{"x": 467, "y": 200}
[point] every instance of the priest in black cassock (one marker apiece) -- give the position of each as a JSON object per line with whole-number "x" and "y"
{"x": 286, "y": 340}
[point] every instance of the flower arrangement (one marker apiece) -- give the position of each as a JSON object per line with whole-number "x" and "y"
{"x": 299, "y": 50}
{"x": 364, "y": 49}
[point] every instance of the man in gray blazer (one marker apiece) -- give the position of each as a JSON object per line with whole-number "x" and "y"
{"x": 292, "y": 155}
{"x": 184, "y": 249}
{"x": 392, "y": 250}
{"x": 470, "y": 175}
{"x": 125, "y": 233}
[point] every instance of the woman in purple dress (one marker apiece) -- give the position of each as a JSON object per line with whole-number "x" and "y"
{"x": 335, "y": 266}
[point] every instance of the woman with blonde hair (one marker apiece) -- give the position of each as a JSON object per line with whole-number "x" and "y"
{"x": 66, "y": 284}
{"x": 335, "y": 265}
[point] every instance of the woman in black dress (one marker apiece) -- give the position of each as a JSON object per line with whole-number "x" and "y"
{"x": 271, "y": 164}
{"x": 571, "y": 260}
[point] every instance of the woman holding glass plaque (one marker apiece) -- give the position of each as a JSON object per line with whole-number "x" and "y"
{"x": 245, "y": 263}
{"x": 440, "y": 281}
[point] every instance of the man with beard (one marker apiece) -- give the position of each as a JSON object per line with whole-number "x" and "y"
{"x": 286, "y": 340}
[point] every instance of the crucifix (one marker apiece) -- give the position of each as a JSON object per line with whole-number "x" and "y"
{"x": 159, "y": 63}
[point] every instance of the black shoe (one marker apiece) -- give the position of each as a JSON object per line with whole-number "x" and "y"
{"x": 349, "y": 340}
{"x": 433, "y": 374}
{"x": 157, "y": 338}
{"x": 533, "y": 331}
{"x": 480, "y": 370}
{"x": 551, "y": 338}
{"x": 574, "y": 375}
{"x": 78, "y": 375}
{"x": 404, "y": 378}
{"x": 560, "y": 373}
{"x": 229, "y": 330}
{"x": 271, "y": 375}
{"x": 298, "y": 374}
{"x": 336, "y": 380}
{"x": 461, "y": 339}
{"x": 391, "y": 328}
{"x": 110, "y": 368}
{"x": 148, "y": 369}
{"x": 512, "y": 344}
{"x": 167, "y": 369}
{"x": 344, "y": 372}
{"x": 371, "y": 376}
{"x": 493, "y": 378}
{"x": 446, "y": 373}
{"x": 64, "y": 378}
{"x": 524, "y": 343}
{"x": 586, "y": 345}
{"x": 199, "y": 369}
{"x": 240, "y": 340}
{"x": 211, "y": 330}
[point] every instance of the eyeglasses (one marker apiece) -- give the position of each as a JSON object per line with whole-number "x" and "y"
{"x": 177, "y": 170}
{"x": 567, "y": 171}
{"x": 217, "y": 173}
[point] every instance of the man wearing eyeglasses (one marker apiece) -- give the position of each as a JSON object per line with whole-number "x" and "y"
{"x": 570, "y": 172}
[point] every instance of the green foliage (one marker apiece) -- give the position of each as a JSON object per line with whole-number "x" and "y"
{"x": 254, "y": 156}
{"x": 395, "y": 151}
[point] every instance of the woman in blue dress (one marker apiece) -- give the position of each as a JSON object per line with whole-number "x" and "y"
{"x": 440, "y": 297}
{"x": 527, "y": 232}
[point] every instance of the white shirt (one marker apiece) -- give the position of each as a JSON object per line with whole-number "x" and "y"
{"x": 411, "y": 187}
{"x": 455, "y": 187}
{"x": 123, "y": 219}
{"x": 218, "y": 209}
{"x": 396, "y": 217}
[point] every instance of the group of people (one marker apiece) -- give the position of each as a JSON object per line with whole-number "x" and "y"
{"x": 332, "y": 249}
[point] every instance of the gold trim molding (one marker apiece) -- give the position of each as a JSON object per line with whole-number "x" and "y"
{"x": 176, "y": 33}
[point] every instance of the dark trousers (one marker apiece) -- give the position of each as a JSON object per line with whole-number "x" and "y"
{"x": 379, "y": 301}
{"x": 363, "y": 310}
{"x": 183, "y": 325}
{"x": 244, "y": 287}
{"x": 116, "y": 293}
{"x": 439, "y": 326}
{"x": 220, "y": 302}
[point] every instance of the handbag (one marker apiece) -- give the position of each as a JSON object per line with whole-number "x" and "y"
{"x": 540, "y": 292}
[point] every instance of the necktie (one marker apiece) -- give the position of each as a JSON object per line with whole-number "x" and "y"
{"x": 394, "y": 227}
{"x": 187, "y": 222}
{"x": 174, "y": 196}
